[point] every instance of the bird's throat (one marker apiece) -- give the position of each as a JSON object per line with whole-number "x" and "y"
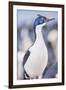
{"x": 39, "y": 34}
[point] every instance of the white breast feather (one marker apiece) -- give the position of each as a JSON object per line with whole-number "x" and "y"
{"x": 38, "y": 58}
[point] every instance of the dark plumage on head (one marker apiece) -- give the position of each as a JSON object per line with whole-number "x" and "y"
{"x": 41, "y": 19}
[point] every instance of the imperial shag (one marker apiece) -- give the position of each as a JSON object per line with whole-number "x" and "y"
{"x": 36, "y": 57}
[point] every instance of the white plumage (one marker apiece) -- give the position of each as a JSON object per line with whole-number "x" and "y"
{"x": 38, "y": 59}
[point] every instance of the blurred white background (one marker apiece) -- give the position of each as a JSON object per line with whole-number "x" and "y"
{"x": 4, "y": 44}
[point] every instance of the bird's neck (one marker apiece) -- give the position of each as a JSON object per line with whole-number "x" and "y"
{"x": 38, "y": 32}
{"x": 39, "y": 39}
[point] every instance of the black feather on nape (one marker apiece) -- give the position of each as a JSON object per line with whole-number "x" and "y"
{"x": 26, "y": 57}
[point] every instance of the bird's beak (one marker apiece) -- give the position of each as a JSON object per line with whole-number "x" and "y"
{"x": 48, "y": 19}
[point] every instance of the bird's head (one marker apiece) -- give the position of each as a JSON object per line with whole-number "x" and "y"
{"x": 42, "y": 20}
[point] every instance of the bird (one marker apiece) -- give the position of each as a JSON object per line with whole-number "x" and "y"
{"x": 54, "y": 43}
{"x": 36, "y": 57}
{"x": 51, "y": 71}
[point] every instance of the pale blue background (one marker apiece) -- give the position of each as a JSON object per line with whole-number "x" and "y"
{"x": 25, "y": 18}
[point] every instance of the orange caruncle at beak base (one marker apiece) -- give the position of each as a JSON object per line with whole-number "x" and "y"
{"x": 46, "y": 18}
